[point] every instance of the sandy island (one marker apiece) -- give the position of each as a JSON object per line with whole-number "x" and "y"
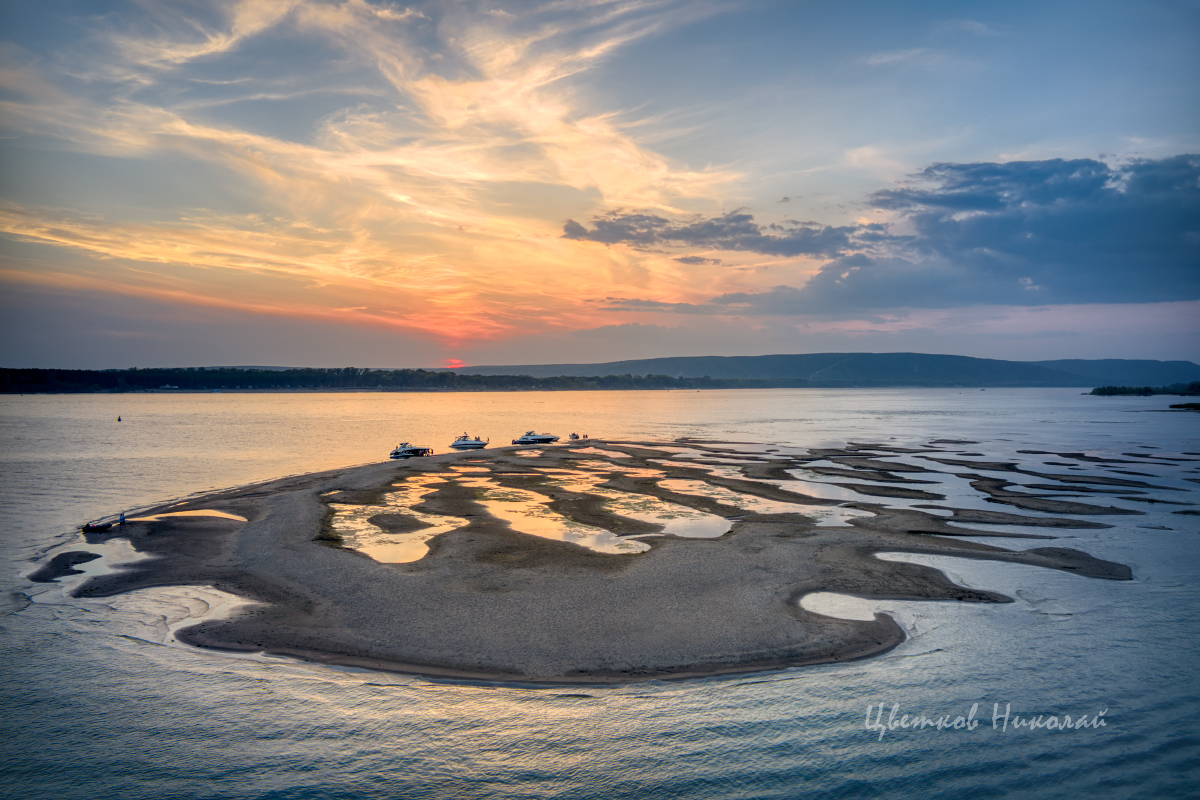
{"x": 491, "y": 603}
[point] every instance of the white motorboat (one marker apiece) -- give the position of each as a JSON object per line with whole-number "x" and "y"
{"x": 406, "y": 450}
{"x": 535, "y": 438}
{"x": 465, "y": 442}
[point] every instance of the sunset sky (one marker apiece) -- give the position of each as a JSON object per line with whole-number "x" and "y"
{"x": 269, "y": 182}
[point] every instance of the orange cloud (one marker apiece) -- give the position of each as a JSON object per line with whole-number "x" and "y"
{"x": 438, "y": 209}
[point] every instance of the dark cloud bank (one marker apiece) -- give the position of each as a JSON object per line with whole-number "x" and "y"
{"x": 1019, "y": 233}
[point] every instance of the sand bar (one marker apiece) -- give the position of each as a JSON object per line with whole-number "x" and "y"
{"x": 487, "y": 602}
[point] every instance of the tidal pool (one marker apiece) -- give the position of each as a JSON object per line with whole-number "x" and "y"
{"x": 676, "y": 520}
{"x": 352, "y": 523}
{"x": 824, "y": 516}
{"x": 529, "y": 512}
{"x": 204, "y": 512}
{"x": 600, "y": 451}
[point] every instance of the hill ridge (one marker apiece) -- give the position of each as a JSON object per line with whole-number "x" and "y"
{"x": 877, "y": 369}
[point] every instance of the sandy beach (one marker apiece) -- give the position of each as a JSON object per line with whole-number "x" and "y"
{"x": 487, "y": 602}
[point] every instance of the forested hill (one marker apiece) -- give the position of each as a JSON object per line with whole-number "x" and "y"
{"x": 883, "y": 369}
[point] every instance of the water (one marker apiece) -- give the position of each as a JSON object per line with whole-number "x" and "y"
{"x": 99, "y": 698}
{"x": 526, "y": 512}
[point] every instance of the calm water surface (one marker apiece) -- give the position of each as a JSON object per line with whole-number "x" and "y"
{"x": 98, "y": 699}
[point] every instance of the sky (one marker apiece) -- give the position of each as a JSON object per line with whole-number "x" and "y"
{"x": 371, "y": 183}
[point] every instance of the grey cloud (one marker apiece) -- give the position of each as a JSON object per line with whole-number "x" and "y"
{"x": 573, "y": 230}
{"x": 993, "y": 187}
{"x": 1022, "y": 233}
{"x": 698, "y": 260}
{"x": 860, "y": 283}
{"x": 732, "y": 231}
{"x": 637, "y": 304}
{"x": 850, "y": 284}
{"x": 1080, "y": 230}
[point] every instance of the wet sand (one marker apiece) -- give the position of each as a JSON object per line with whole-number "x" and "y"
{"x": 490, "y": 603}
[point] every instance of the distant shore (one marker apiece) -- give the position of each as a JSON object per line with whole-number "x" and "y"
{"x": 815, "y": 371}
{"x": 418, "y": 390}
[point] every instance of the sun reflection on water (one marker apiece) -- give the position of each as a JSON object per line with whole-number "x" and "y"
{"x": 529, "y": 512}
{"x": 677, "y": 520}
{"x": 824, "y": 516}
{"x": 204, "y": 512}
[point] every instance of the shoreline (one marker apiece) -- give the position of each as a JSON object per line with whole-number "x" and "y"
{"x": 488, "y": 603}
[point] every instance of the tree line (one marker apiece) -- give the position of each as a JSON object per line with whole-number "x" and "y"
{"x": 31, "y": 381}
{"x": 1147, "y": 391}
{"x": 206, "y": 379}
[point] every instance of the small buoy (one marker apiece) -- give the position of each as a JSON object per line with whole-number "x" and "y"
{"x": 118, "y": 418}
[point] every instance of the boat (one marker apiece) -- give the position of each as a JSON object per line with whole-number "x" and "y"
{"x": 465, "y": 442}
{"x": 535, "y": 438}
{"x": 406, "y": 450}
{"x": 95, "y": 527}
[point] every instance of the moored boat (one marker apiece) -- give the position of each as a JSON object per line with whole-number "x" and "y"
{"x": 465, "y": 442}
{"x": 406, "y": 450}
{"x": 95, "y": 527}
{"x": 535, "y": 438}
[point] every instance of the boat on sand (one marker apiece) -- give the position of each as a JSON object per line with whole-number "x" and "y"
{"x": 406, "y": 450}
{"x": 535, "y": 438}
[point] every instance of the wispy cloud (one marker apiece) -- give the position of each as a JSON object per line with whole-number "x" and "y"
{"x": 916, "y": 55}
{"x": 972, "y": 27}
{"x": 459, "y": 150}
{"x": 176, "y": 38}
{"x": 924, "y": 58}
